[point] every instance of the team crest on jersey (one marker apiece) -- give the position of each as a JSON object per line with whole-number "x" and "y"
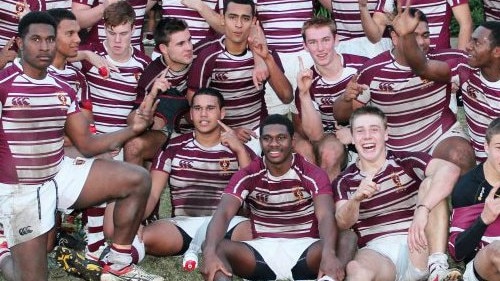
{"x": 224, "y": 164}
{"x": 471, "y": 92}
{"x": 62, "y": 98}
{"x": 297, "y": 192}
{"x": 137, "y": 76}
{"x": 397, "y": 182}
{"x": 22, "y": 9}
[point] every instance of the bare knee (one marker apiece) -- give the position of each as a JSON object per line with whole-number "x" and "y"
{"x": 356, "y": 271}
{"x": 137, "y": 181}
{"x": 458, "y": 151}
{"x": 134, "y": 147}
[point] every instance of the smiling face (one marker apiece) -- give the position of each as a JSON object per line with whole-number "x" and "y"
{"x": 479, "y": 47}
{"x": 276, "y": 143}
{"x": 369, "y": 135}
{"x": 38, "y": 49}
{"x": 67, "y": 39}
{"x": 319, "y": 42}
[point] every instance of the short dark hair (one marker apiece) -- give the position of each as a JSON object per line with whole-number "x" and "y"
{"x": 60, "y": 14}
{"x": 317, "y": 22}
{"x": 494, "y": 37}
{"x": 493, "y": 129}
{"x": 279, "y": 120}
{"x": 35, "y": 17}
{"x": 368, "y": 110}
{"x": 210, "y": 92}
{"x": 119, "y": 13}
{"x": 166, "y": 27}
{"x": 243, "y": 2}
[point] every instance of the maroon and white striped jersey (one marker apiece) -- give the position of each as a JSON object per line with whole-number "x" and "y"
{"x": 32, "y": 114}
{"x": 324, "y": 92}
{"x": 281, "y": 207}
{"x": 390, "y": 210}
{"x": 417, "y": 110}
{"x": 439, "y": 13}
{"x": 198, "y": 26}
{"x": 113, "y": 97}
{"x": 74, "y": 77}
{"x": 491, "y": 10}
{"x": 97, "y": 33}
{"x": 232, "y": 76}
{"x": 11, "y": 12}
{"x": 348, "y": 18}
{"x": 197, "y": 174}
{"x": 282, "y": 22}
{"x": 481, "y": 102}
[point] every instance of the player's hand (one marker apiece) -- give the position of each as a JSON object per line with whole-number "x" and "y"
{"x": 6, "y": 54}
{"x": 144, "y": 115}
{"x": 228, "y": 138}
{"x": 304, "y": 78}
{"x": 404, "y": 23}
{"x": 366, "y": 189}
{"x": 491, "y": 208}
{"x": 353, "y": 89}
{"x": 330, "y": 265}
{"x": 343, "y": 134}
{"x": 363, "y": 3}
{"x": 244, "y": 134}
{"x": 260, "y": 72}
{"x": 211, "y": 265}
{"x": 417, "y": 241}
{"x": 101, "y": 63}
{"x": 257, "y": 41}
{"x": 161, "y": 83}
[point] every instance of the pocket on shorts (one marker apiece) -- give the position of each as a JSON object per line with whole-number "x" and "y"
{"x": 6, "y": 204}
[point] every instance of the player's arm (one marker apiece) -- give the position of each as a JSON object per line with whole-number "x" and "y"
{"x": 150, "y": 4}
{"x": 277, "y": 78}
{"x": 343, "y": 106}
{"x": 330, "y": 265}
{"x": 213, "y": 18}
{"x": 86, "y": 15}
{"x": 463, "y": 16}
{"x": 229, "y": 138}
{"x": 373, "y": 25}
{"x": 228, "y": 207}
{"x": 404, "y": 25}
{"x": 310, "y": 117}
{"x": 347, "y": 211}
{"x": 443, "y": 175}
{"x": 159, "y": 180}
{"x": 76, "y": 128}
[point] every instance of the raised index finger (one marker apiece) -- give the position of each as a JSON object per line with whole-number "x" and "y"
{"x": 224, "y": 126}
{"x": 301, "y": 63}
